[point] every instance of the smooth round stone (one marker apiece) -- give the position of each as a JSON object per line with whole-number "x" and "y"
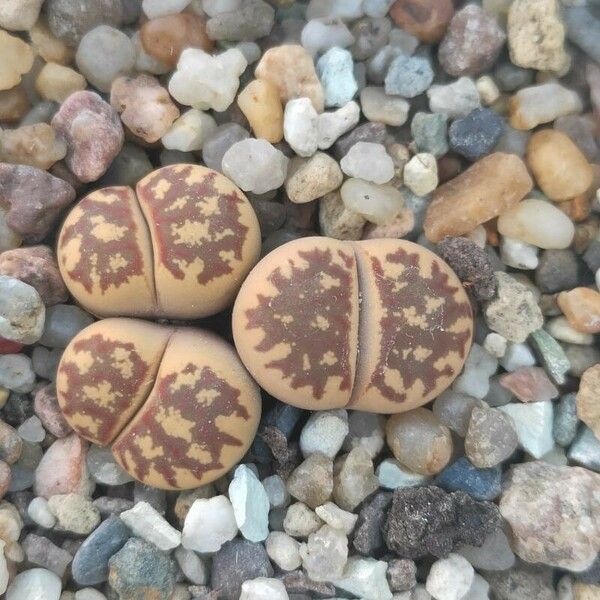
{"x": 57, "y": 82}
{"x": 261, "y": 105}
{"x": 160, "y": 8}
{"x": 40, "y": 513}
{"x": 324, "y": 433}
{"x": 283, "y": 550}
{"x": 378, "y": 107}
{"x": 454, "y": 409}
{"x": 31, "y": 430}
{"x": 35, "y": 584}
{"x": 63, "y": 323}
{"x": 103, "y": 54}
{"x": 539, "y": 223}
{"x": 419, "y": 441}
{"x": 376, "y": 203}
{"x": 518, "y": 254}
{"x": 491, "y": 437}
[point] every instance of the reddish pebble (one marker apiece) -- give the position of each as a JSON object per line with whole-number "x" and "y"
{"x": 36, "y": 266}
{"x": 9, "y": 347}
{"x": 472, "y": 43}
{"x": 164, "y": 38}
{"x": 529, "y": 384}
{"x": 62, "y": 470}
{"x": 425, "y": 19}
{"x": 93, "y": 132}
{"x": 35, "y": 199}
{"x": 48, "y": 411}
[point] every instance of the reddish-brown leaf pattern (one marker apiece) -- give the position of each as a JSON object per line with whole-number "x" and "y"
{"x": 185, "y": 203}
{"x": 398, "y": 334}
{"x": 188, "y": 402}
{"x": 97, "y": 254}
{"x": 101, "y": 380}
{"x": 296, "y": 314}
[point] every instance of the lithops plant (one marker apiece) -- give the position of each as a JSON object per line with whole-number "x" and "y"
{"x": 176, "y": 405}
{"x": 179, "y": 246}
{"x": 376, "y": 325}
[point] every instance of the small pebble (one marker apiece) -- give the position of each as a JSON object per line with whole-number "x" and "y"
{"x": 35, "y": 584}
{"x": 331, "y": 125}
{"x": 312, "y": 481}
{"x": 491, "y": 437}
{"x": 300, "y": 126}
{"x": 369, "y": 162}
{"x": 41, "y": 552}
{"x": 205, "y": 81}
{"x": 189, "y": 132}
{"x": 354, "y": 479}
{"x": 219, "y": 141}
{"x": 425, "y": 19}
{"x": 253, "y": 20}
{"x": 337, "y": 221}
{"x": 376, "y": 203}
{"x": 22, "y": 312}
{"x": 450, "y": 578}
{"x": 40, "y": 513}
{"x": 455, "y": 99}
{"x": 255, "y": 165}
{"x": 475, "y": 379}
{"x": 430, "y": 132}
{"x": 34, "y": 145}
{"x": 335, "y": 70}
{"x": 191, "y": 565}
{"x": 408, "y": 76}
{"x": 18, "y": 60}
{"x": 337, "y": 518}
{"x": 476, "y": 134}
{"x": 260, "y": 103}
{"x": 283, "y": 550}
{"x": 325, "y": 553}
{"x": 365, "y": 430}
{"x": 74, "y": 513}
{"x": 420, "y": 174}
{"x": 321, "y": 34}
{"x": 533, "y": 424}
{"x": 145, "y": 522}
{"x": 250, "y": 504}
{"x": 472, "y": 42}
{"x": 324, "y": 432}
{"x": 434, "y": 447}
{"x": 312, "y": 178}
{"x": 263, "y": 588}
{"x": 209, "y": 524}
{"x": 365, "y": 578}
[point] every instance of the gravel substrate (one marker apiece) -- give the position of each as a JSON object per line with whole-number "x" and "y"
{"x": 469, "y": 129}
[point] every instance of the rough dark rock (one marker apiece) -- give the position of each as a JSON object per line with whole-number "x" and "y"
{"x": 368, "y": 539}
{"x": 471, "y": 264}
{"x": 428, "y": 520}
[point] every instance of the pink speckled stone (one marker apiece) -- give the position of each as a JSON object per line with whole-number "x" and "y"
{"x": 529, "y": 384}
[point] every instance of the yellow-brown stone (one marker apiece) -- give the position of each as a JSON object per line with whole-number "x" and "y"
{"x": 261, "y": 105}
{"x": 558, "y": 165}
{"x": 175, "y": 404}
{"x": 296, "y": 324}
{"x": 588, "y": 406}
{"x": 178, "y": 247}
{"x": 581, "y": 306}
{"x": 485, "y": 190}
{"x": 17, "y": 59}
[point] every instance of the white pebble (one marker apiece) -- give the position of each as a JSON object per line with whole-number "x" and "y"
{"x": 324, "y": 432}
{"x": 368, "y": 161}
{"x": 40, "y": 513}
{"x": 392, "y": 475}
{"x": 331, "y": 125}
{"x": 263, "y": 588}
{"x": 189, "y": 132}
{"x": 255, "y": 165}
{"x": 300, "y": 126}
{"x": 337, "y": 518}
{"x": 276, "y": 491}
{"x": 378, "y": 107}
{"x": 160, "y": 8}
{"x": 533, "y": 424}
{"x": 318, "y": 35}
{"x": 35, "y": 584}
{"x": 539, "y": 223}
{"x": 207, "y": 81}
{"x": 89, "y": 594}
{"x": 146, "y": 522}
{"x": 216, "y": 7}
{"x": 455, "y": 99}
{"x": 420, "y": 174}
{"x": 560, "y": 329}
{"x": 517, "y": 254}
{"x": 479, "y": 589}
{"x": 365, "y": 578}
{"x": 517, "y": 356}
{"x": 209, "y": 524}
{"x": 450, "y": 578}
{"x": 378, "y": 204}
{"x": 367, "y": 431}
{"x": 283, "y": 550}
{"x": 495, "y": 344}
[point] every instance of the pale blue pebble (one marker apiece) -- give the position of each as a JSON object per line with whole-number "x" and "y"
{"x": 250, "y": 504}
{"x": 336, "y": 72}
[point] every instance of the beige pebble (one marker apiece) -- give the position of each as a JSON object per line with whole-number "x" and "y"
{"x": 17, "y": 59}
{"x": 49, "y": 47}
{"x": 402, "y": 224}
{"x": 488, "y": 90}
{"x": 311, "y": 178}
{"x": 261, "y": 105}
{"x": 558, "y": 165}
{"x": 35, "y": 145}
{"x": 14, "y": 104}
{"x": 588, "y": 408}
{"x": 57, "y": 82}
{"x": 581, "y": 306}
{"x": 291, "y": 69}
{"x": 485, "y": 190}
{"x": 420, "y": 174}
{"x": 337, "y": 221}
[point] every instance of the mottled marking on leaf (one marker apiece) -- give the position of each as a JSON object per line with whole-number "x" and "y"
{"x": 311, "y": 314}
{"x": 106, "y": 231}
{"x": 100, "y": 386}
{"x": 182, "y": 420}
{"x": 193, "y": 222}
{"x": 418, "y": 327}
